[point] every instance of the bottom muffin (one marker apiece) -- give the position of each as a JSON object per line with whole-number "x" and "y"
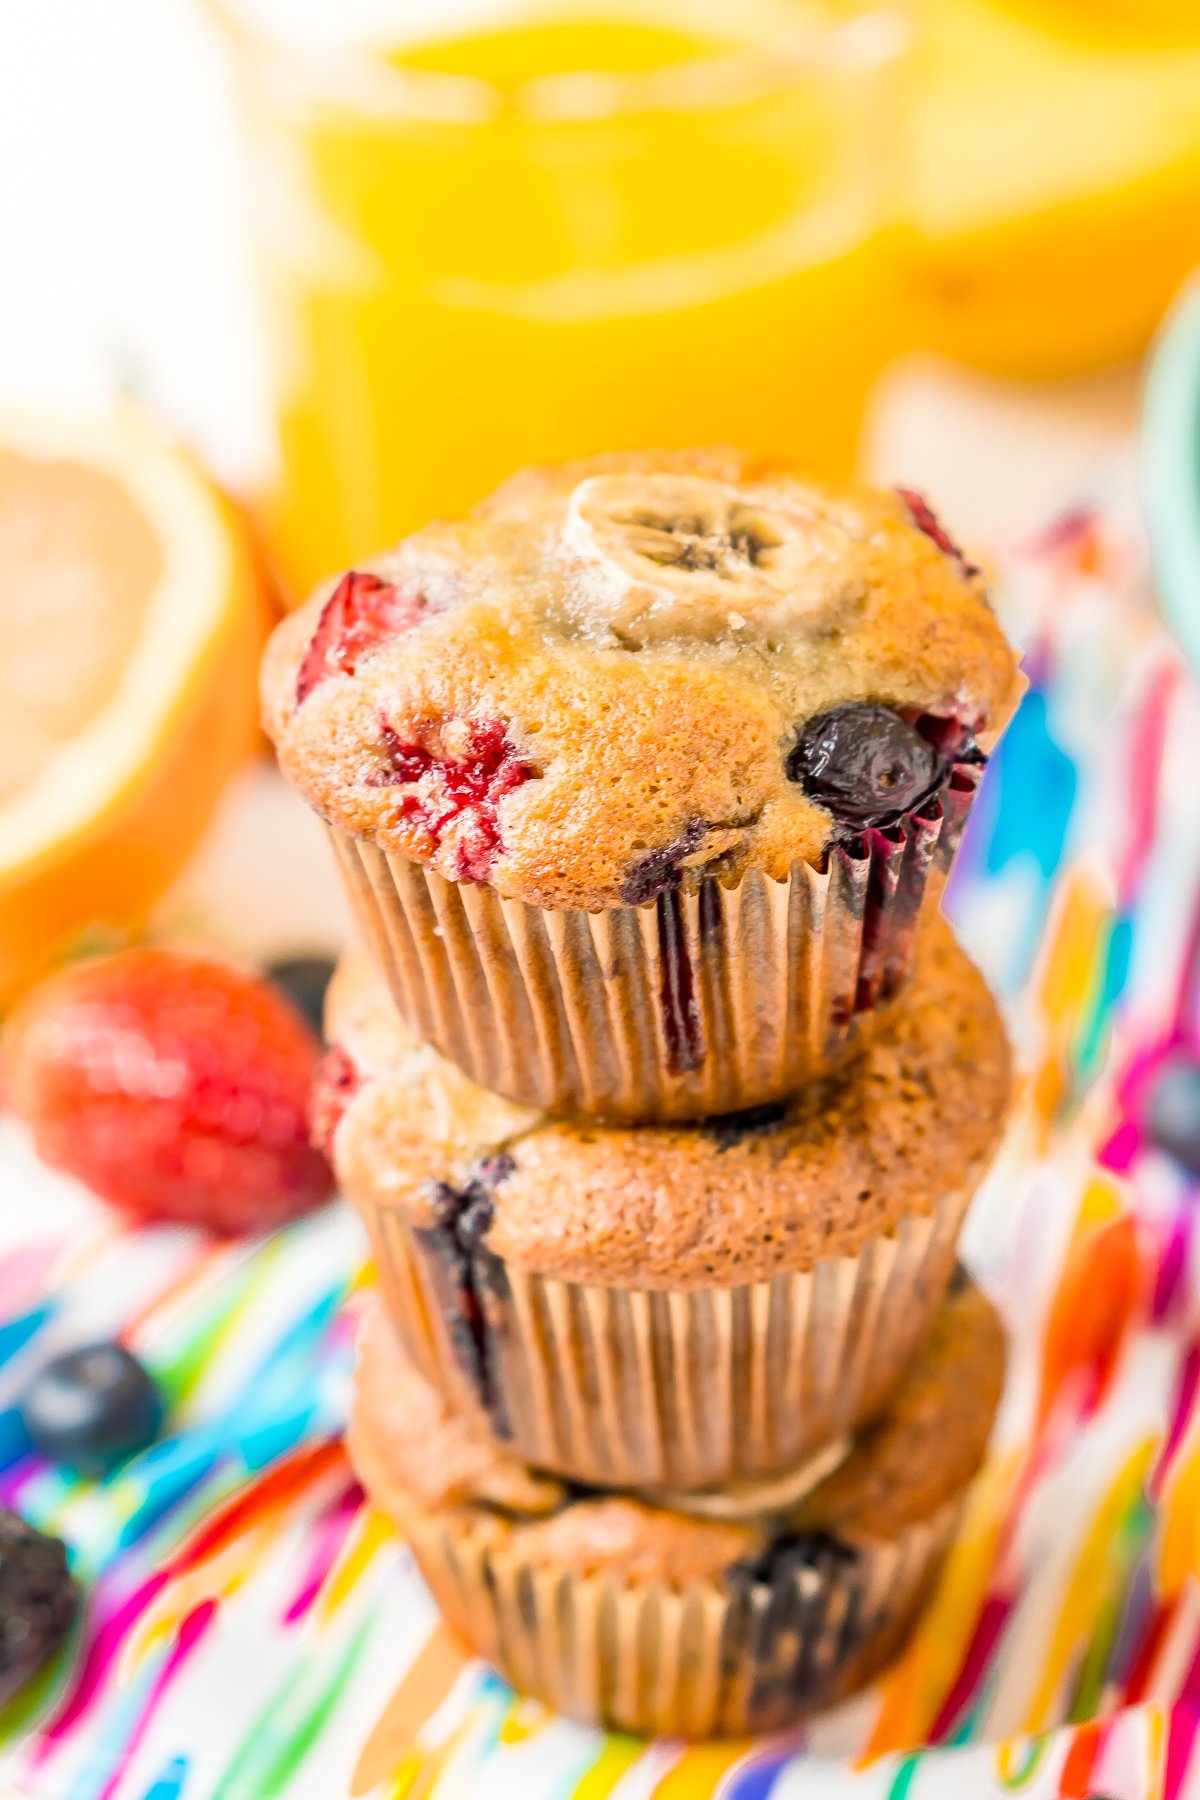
{"x": 737, "y": 1609}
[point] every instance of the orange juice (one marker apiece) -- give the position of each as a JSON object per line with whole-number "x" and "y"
{"x": 559, "y": 234}
{"x": 1054, "y": 176}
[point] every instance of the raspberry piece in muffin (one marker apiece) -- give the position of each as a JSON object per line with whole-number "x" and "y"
{"x": 457, "y": 787}
{"x": 361, "y": 610}
{"x": 926, "y": 520}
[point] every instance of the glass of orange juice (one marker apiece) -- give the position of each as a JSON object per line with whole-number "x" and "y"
{"x": 496, "y": 233}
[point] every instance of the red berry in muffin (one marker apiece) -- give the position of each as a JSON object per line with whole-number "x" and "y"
{"x": 361, "y": 610}
{"x": 864, "y": 763}
{"x": 455, "y": 791}
{"x": 926, "y": 520}
{"x": 171, "y": 1084}
{"x": 336, "y": 1083}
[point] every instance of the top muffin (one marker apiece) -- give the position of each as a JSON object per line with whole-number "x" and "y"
{"x": 617, "y": 675}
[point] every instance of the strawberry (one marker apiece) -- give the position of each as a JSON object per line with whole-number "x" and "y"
{"x": 362, "y": 609}
{"x": 171, "y": 1084}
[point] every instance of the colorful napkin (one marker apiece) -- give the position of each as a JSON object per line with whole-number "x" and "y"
{"x": 253, "y": 1629}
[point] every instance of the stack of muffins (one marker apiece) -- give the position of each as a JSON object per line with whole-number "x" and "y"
{"x": 661, "y": 1085}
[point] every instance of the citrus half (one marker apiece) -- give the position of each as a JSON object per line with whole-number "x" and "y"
{"x": 131, "y": 617}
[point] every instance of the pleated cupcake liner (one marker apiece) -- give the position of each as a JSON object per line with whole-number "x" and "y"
{"x": 693, "y": 1005}
{"x": 679, "y": 1389}
{"x": 704, "y": 1659}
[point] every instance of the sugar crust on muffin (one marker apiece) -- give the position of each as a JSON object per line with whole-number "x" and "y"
{"x": 600, "y": 678}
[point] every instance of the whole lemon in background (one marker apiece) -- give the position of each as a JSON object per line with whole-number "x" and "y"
{"x": 1054, "y": 176}
{"x": 131, "y": 618}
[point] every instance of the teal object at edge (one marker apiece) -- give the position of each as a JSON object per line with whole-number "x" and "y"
{"x": 1171, "y": 470}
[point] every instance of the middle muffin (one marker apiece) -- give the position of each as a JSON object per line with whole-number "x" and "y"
{"x": 670, "y": 1306}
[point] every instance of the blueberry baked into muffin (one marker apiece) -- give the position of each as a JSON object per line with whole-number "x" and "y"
{"x": 669, "y": 1305}
{"x": 641, "y": 774}
{"x": 739, "y": 1609}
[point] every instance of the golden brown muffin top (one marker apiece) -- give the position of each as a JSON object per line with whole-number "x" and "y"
{"x": 600, "y": 677}
{"x": 914, "y": 1118}
{"x": 920, "y": 1454}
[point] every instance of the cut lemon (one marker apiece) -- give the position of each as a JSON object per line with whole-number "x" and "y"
{"x": 131, "y": 618}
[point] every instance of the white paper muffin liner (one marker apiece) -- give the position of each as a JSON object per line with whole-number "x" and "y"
{"x": 678, "y": 1389}
{"x": 708, "y": 1658}
{"x": 692, "y": 1005}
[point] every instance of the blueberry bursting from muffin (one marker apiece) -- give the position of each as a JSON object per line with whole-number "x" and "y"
{"x": 790, "y": 1635}
{"x": 468, "y": 1275}
{"x": 868, "y": 766}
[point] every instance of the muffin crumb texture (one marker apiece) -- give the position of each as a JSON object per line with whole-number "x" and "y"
{"x": 619, "y": 676}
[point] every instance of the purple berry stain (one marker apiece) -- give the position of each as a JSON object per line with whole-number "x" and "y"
{"x": 927, "y": 521}
{"x": 467, "y": 1275}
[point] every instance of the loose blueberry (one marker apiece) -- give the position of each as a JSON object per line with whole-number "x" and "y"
{"x": 1173, "y": 1111}
{"x": 92, "y": 1408}
{"x": 304, "y": 980}
{"x": 37, "y": 1601}
{"x": 864, "y": 763}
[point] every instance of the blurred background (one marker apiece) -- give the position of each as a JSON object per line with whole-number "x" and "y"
{"x": 283, "y": 278}
{"x": 362, "y": 259}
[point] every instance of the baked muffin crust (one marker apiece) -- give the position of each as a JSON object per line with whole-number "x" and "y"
{"x": 916, "y": 1116}
{"x": 605, "y": 671}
